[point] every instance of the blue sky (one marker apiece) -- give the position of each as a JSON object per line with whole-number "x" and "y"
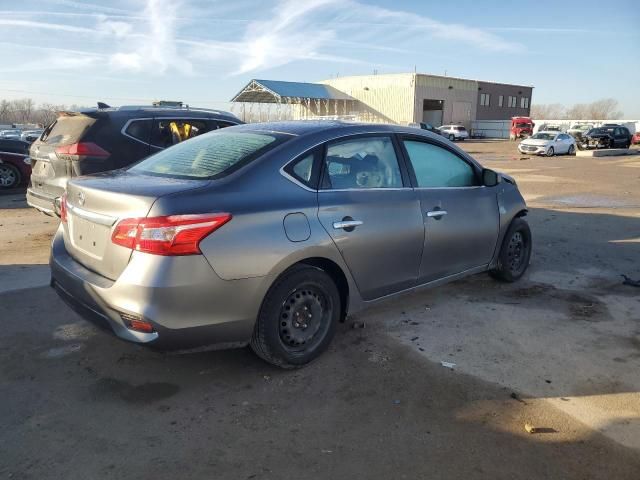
{"x": 204, "y": 51}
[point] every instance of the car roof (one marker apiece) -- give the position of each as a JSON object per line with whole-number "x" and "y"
{"x": 307, "y": 127}
{"x": 164, "y": 110}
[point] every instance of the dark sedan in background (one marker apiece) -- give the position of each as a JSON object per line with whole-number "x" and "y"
{"x": 270, "y": 234}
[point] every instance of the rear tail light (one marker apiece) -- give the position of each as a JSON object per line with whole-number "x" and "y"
{"x": 88, "y": 149}
{"x": 170, "y": 235}
{"x": 63, "y": 208}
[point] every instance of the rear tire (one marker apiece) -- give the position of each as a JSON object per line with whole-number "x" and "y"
{"x": 298, "y": 318}
{"x": 515, "y": 253}
{"x": 572, "y": 150}
{"x": 9, "y": 176}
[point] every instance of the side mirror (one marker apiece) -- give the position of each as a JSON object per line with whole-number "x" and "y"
{"x": 490, "y": 178}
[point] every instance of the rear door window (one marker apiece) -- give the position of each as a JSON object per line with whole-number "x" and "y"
{"x": 360, "y": 163}
{"x": 166, "y": 132}
{"x": 210, "y": 156}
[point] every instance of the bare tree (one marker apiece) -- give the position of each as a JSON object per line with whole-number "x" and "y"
{"x": 604, "y": 109}
{"x": 548, "y": 111}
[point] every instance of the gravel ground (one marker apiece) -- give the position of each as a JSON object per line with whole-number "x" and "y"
{"x": 559, "y": 350}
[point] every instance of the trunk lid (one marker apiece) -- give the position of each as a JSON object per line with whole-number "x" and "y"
{"x": 97, "y": 203}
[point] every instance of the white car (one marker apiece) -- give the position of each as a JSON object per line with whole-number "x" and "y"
{"x": 549, "y": 144}
{"x": 454, "y": 132}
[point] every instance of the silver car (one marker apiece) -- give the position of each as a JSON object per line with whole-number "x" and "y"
{"x": 270, "y": 234}
{"x": 548, "y": 144}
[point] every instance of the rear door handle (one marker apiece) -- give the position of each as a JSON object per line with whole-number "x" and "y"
{"x": 436, "y": 213}
{"x": 347, "y": 224}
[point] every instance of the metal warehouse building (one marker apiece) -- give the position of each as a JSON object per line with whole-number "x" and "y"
{"x": 402, "y": 98}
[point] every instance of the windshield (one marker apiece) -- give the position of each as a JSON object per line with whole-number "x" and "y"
{"x": 209, "y": 155}
{"x": 543, "y": 136}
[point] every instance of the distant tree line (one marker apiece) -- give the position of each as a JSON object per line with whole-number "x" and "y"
{"x": 25, "y": 110}
{"x": 605, "y": 109}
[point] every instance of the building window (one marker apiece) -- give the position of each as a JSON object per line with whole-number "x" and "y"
{"x": 524, "y": 102}
{"x": 512, "y": 102}
{"x": 500, "y": 99}
{"x": 484, "y": 99}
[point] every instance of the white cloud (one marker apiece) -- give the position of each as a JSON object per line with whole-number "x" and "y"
{"x": 155, "y": 50}
{"x": 153, "y": 40}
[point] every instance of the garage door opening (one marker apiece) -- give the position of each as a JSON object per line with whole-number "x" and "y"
{"x": 432, "y": 111}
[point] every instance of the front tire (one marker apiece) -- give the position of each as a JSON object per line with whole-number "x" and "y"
{"x": 452, "y": 137}
{"x": 550, "y": 152}
{"x": 515, "y": 253}
{"x": 9, "y": 176}
{"x": 298, "y": 318}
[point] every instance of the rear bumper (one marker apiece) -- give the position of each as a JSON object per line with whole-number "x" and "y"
{"x": 188, "y": 305}
{"x": 41, "y": 201}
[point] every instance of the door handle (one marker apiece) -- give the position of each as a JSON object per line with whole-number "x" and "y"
{"x": 436, "y": 214}
{"x": 347, "y": 224}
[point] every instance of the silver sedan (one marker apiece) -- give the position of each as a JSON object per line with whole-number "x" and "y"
{"x": 549, "y": 144}
{"x": 270, "y": 234}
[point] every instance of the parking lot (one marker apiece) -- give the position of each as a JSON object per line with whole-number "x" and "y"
{"x": 558, "y": 350}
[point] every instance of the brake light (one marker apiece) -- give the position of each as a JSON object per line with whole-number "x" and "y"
{"x": 169, "y": 235}
{"x": 88, "y": 149}
{"x": 63, "y": 208}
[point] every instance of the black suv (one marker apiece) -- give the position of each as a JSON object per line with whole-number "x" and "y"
{"x": 607, "y": 137}
{"x": 107, "y": 138}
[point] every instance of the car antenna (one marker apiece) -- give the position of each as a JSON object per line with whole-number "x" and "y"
{"x": 103, "y": 105}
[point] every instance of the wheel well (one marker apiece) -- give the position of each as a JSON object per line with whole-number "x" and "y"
{"x": 521, "y": 213}
{"x": 338, "y": 276}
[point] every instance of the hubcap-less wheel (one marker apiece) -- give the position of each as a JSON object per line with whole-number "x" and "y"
{"x": 550, "y": 152}
{"x": 452, "y": 137}
{"x": 515, "y": 252}
{"x": 9, "y": 176}
{"x": 304, "y": 318}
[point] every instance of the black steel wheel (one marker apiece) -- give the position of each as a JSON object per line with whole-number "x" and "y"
{"x": 298, "y": 318}
{"x": 304, "y": 317}
{"x": 515, "y": 253}
{"x": 9, "y": 176}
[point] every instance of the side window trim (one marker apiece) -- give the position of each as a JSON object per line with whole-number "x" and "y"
{"x": 323, "y": 185}
{"x": 412, "y": 174}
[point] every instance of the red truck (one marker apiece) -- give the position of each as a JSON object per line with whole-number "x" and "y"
{"x": 521, "y": 127}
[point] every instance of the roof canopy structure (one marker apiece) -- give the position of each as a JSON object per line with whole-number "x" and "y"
{"x": 274, "y": 91}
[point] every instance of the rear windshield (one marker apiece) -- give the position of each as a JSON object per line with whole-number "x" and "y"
{"x": 67, "y": 130}
{"x": 209, "y": 155}
{"x": 523, "y": 125}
